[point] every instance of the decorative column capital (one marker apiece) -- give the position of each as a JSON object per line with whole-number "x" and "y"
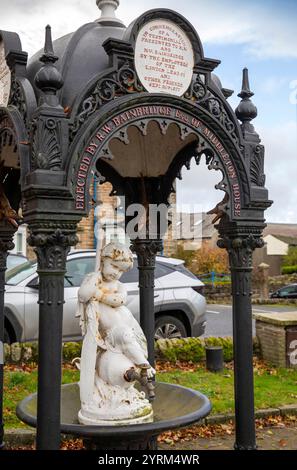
{"x": 240, "y": 250}
{"x": 146, "y": 251}
{"x": 52, "y": 248}
{"x": 6, "y": 244}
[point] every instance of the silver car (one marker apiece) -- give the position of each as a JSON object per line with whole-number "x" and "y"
{"x": 180, "y": 309}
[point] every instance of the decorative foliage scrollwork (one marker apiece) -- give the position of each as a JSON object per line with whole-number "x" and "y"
{"x": 197, "y": 90}
{"x": 17, "y": 97}
{"x": 121, "y": 82}
{"x": 257, "y": 166}
{"x": 52, "y": 248}
{"x": 240, "y": 250}
{"x": 146, "y": 251}
{"x": 215, "y": 106}
{"x": 5, "y": 246}
{"x": 46, "y": 149}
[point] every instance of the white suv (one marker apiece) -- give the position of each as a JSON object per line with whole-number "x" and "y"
{"x": 180, "y": 309}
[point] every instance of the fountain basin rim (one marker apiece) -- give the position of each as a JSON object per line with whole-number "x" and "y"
{"x": 153, "y": 428}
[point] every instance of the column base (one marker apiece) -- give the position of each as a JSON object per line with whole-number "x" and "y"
{"x": 245, "y": 447}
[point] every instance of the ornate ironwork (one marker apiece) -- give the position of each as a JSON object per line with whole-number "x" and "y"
{"x": 257, "y": 166}
{"x": 197, "y": 90}
{"x": 17, "y": 97}
{"x": 240, "y": 251}
{"x": 46, "y": 148}
{"x": 117, "y": 83}
{"x": 52, "y": 248}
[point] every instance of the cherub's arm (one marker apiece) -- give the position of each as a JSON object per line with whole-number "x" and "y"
{"x": 117, "y": 297}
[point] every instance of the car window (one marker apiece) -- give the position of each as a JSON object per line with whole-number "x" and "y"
{"x": 132, "y": 275}
{"x": 20, "y": 273}
{"x": 288, "y": 290}
{"x": 13, "y": 261}
{"x": 77, "y": 269}
{"x": 162, "y": 270}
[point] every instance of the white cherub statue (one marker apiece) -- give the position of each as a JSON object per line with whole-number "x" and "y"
{"x": 114, "y": 352}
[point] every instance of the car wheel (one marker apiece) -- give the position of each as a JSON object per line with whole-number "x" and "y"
{"x": 169, "y": 327}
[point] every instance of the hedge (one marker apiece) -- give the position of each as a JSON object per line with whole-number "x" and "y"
{"x": 191, "y": 349}
{"x": 172, "y": 350}
{"x": 289, "y": 269}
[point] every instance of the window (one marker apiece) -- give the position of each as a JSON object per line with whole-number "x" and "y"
{"x": 132, "y": 275}
{"x": 77, "y": 269}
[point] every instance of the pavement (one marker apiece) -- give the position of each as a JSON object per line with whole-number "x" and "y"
{"x": 276, "y": 428}
{"x": 272, "y": 438}
{"x": 219, "y": 317}
{"x": 280, "y": 437}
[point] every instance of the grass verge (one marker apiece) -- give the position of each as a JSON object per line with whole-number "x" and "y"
{"x": 273, "y": 387}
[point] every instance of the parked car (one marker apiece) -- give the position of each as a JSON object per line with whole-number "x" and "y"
{"x": 287, "y": 292}
{"x": 180, "y": 309}
{"x": 15, "y": 260}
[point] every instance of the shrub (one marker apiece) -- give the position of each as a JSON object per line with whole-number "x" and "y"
{"x": 71, "y": 351}
{"x": 191, "y": 349}
{"x": 289, "y": 269}
{"x": 291, "y": 258}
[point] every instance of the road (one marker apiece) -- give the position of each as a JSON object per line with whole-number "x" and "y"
{"x": 219, "y": 317}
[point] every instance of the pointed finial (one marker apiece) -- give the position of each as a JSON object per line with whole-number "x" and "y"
{"x": 108, "y": 9}
{"x": 245, "y": 89}
{"x": 48, "y": 79}
{"x": 246, "y": 110}
{"x": 48, "y": 55}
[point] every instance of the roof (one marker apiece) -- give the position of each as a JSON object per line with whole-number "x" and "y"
{"x": 291, "y": 241}
{"x": 283, "y": 230}
{"x": 194, "y": 225}
{"x": 81, "y": 58}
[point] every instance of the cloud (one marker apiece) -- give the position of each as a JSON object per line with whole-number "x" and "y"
{"x": 281, "y": 170}
{"x": 280, "y": 143}
{"x": 265, "y": 32}
{"x": 273, "y": 84}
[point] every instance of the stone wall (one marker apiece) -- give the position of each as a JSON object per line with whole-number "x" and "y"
{"x": 272, "y": 341}
{"x": 274, "y": 332}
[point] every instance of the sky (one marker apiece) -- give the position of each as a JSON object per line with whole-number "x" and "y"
{"x": 253, "y": 34}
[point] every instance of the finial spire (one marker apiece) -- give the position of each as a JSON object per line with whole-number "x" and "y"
{"x": 48, "y": 55}
{"x": 48, "y": 79}
{"x": 108, "y": 9}
{"x": 246, "y": 110}
{"x": 245, "y": 89}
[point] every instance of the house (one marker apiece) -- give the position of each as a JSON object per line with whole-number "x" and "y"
{"x": 278, "y": 239}
{"x": 192, "y": 231}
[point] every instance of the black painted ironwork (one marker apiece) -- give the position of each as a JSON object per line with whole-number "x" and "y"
{"x": 146, "y": 251}
{"x": 51, "y": 121}
{"x": 6, "y": 243}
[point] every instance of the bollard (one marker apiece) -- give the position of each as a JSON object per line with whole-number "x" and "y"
{"x": 214, "y": 358}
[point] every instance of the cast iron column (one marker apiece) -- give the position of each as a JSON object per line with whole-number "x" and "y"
{"x": 6, "y": 244}
{"x": 51, "y": 249}
{"x": 146, "y": 251}
{"x": 240, "y": 255}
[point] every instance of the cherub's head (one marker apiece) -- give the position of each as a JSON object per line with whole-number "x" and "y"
{"x": 116, "y": 259}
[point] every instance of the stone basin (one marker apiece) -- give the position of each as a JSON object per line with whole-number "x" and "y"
{"x": 174, "y": 406}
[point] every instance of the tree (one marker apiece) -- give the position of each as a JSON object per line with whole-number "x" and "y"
{"x": 204, "y": 260}
{"x": 208, "y": 260}
{"x": 291, "y": 258}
